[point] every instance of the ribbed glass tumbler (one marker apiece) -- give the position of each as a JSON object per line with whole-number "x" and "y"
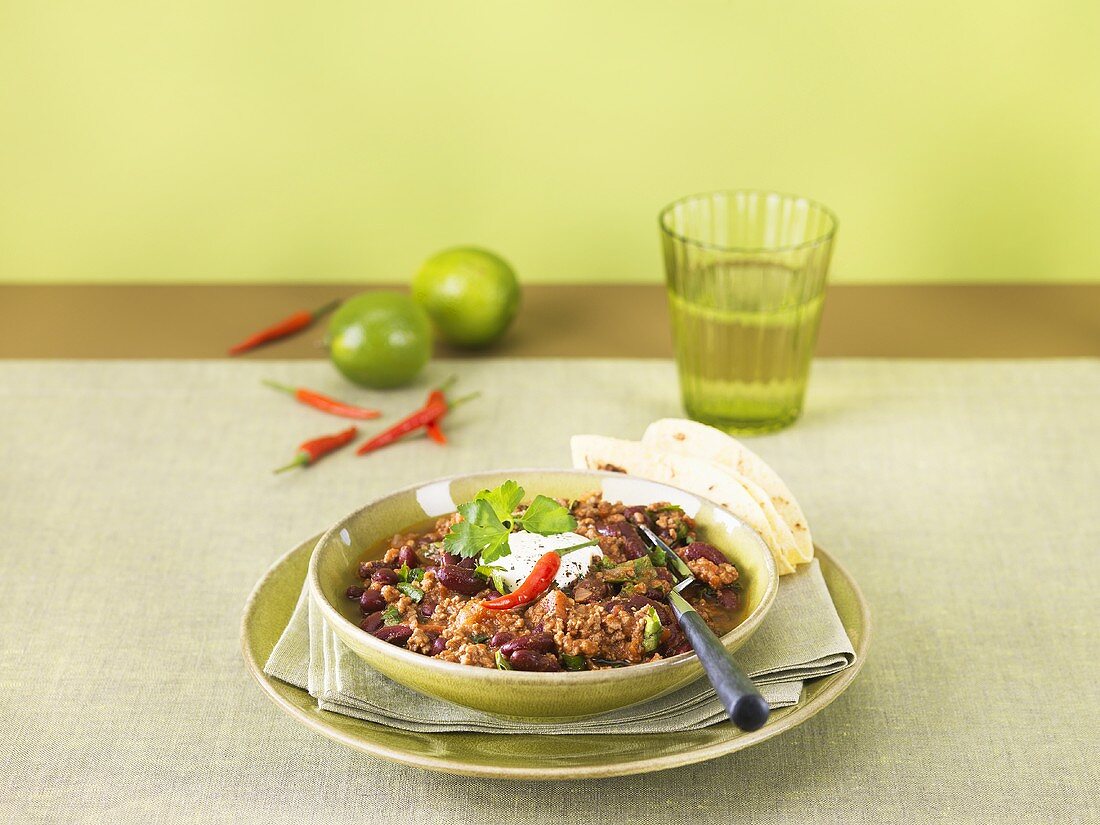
{"x": 746, "y": 283}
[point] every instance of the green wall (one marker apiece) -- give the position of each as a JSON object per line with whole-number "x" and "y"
{"x": 288, "y": 141}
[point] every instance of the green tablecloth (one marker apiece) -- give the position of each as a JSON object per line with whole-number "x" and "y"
{"x": 137, "y": 510}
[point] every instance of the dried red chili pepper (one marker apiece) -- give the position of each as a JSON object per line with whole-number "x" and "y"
{"x": 288, "y": 326}
{"x": 324, "y": 403}
{"x": 433, "y": 410}
{"x": 310, "y": 451}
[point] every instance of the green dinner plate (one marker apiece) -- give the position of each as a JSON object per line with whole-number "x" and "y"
{"x": 529, "y": 756}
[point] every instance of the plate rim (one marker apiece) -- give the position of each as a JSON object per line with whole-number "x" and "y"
{"x": 839, "y": 682}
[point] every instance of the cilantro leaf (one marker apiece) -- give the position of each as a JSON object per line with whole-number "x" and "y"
{"x": 412, "y": 591}
{"x": 467, "y": 539}
{"x": 546, "y": 517}
{"x": 504, "y": 500}
{"x": 496, "y": 548}
{"x": 391, "y": 616}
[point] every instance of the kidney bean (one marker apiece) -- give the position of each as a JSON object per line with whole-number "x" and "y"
{"x": 664, "y": 612}
{"x": 365, "y": 569}
{"x": 439, "y": 644}
{"x": 536, "y": 642}
{"x": 394, "y": 634}
{"x": 501, "y": 638}
{"x": 426, "y": 607}
{"x": 370, "y": 601}
{"x": 728, "y": 598}
{"x": 702, "y": 550}
{"x": 384, "y": 575}
{"x": 531, "y": 661}
{"x": 682, "y": 646}
{"x": 633, "y": 546}
{"x": 406, "y": 555}
{"x": 632, "y": 514}
{"x": 354, "y": 592}
{"x": 469, "y": 563}
{"x": 460, "y": 580}
{"x": 638, "y": 602}
{"x": 372, "y": 622}
{"x": 450, "y": 558}
{"x": 589, "y": 589}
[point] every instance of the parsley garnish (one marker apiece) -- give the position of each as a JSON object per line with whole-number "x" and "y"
{"x": 391, "y": 616}
{"x": 488, "y": 520}
{"x": 411, "y": 590}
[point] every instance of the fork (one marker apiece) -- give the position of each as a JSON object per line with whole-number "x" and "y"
{"x": 746, "y": 707}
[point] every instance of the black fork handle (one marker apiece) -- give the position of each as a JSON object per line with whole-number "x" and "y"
{"x": 743, "y": 702}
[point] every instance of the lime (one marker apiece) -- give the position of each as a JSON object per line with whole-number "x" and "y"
{"x": 379, "y": 339}
{"x": 471, "y": 295}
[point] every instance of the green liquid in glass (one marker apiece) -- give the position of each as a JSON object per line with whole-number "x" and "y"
{"x": 745, "y": 334}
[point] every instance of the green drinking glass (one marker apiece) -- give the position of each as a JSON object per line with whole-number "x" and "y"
{"x": 746, "y": 283}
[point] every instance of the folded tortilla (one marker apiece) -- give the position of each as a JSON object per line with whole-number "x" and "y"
{"x": 704, "y": 478}
{"x": 690, "y": 438}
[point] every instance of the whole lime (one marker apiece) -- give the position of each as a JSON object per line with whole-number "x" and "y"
{"x": 380, "y": 339}
{"x": 471, "y": 295}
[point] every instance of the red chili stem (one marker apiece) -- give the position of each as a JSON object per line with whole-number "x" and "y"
{"x": 288, "y": 326}
{"x": 538, "y": 581}
{"x": 324, "y": 403}
{"x": 309, "y": 452}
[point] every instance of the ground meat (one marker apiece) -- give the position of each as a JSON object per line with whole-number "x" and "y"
{"x": 714, "y": 575}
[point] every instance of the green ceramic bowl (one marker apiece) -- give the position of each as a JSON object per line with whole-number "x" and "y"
{"x": 531, "y": 696}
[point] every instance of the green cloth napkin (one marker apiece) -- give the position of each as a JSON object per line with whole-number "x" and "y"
{"x": 801, "y": 638}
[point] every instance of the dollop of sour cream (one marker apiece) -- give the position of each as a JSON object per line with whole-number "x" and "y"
{"x": 528, "y": 548}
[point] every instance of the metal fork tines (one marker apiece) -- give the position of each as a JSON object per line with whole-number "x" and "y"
{"x": 682, "y": 573}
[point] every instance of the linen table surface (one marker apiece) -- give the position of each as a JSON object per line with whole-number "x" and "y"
{"x": 138, "y": 508}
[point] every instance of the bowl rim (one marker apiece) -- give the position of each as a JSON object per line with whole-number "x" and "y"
{"x": 513, "y": 677}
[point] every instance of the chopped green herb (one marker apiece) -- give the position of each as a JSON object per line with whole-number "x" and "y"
{"x": 641, "y": 565}
{"x": 683, "y": 533}
{"x": 570, "y": 662}
{"x": 658, "y": 556}
{"x": 502, "y": 663}
{"x": 653, "y": 630}
{"x": 411, "y": 590}
{"x": 479, "y": 638}
{"x": 391, "y": 616}
{"x": 492, "y": 572}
